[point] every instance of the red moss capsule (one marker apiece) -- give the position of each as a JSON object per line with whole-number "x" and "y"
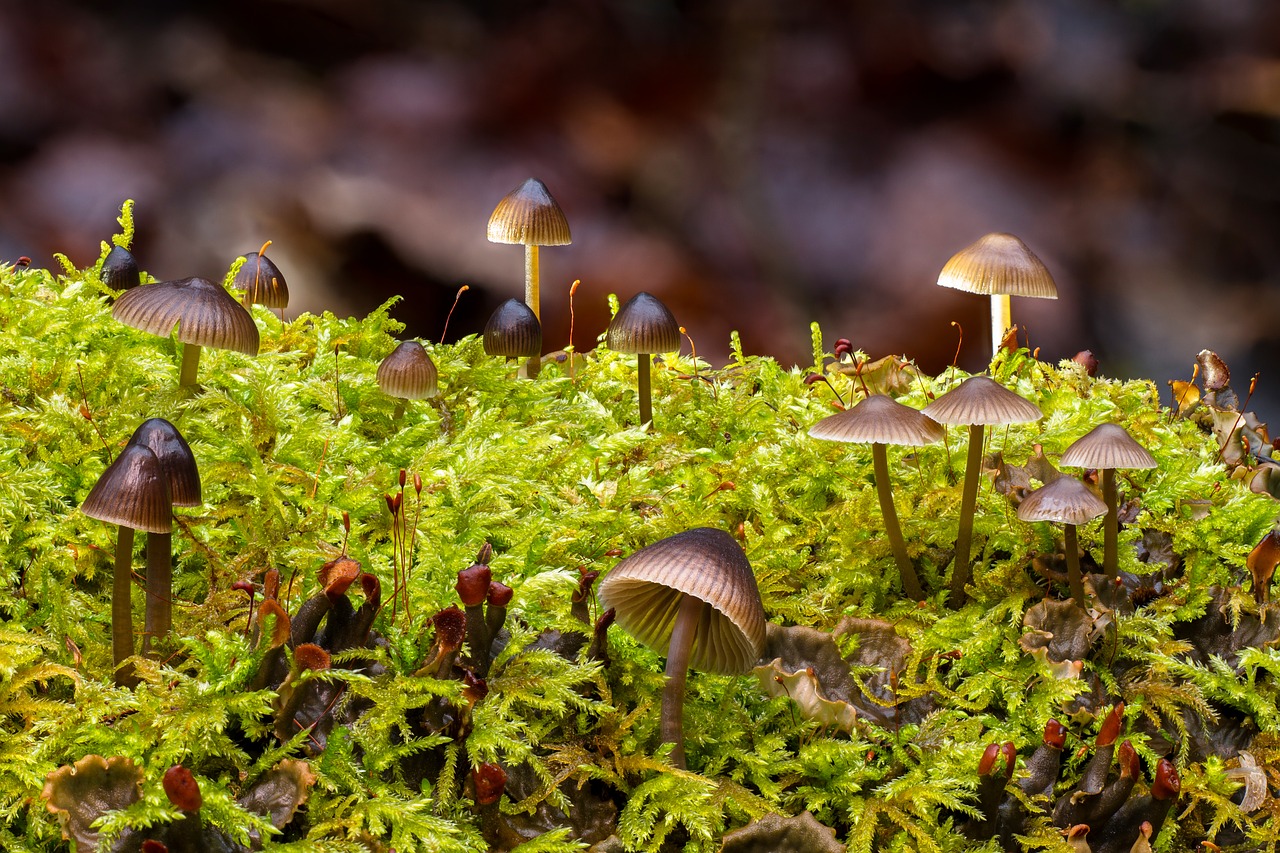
{"x": 403, "y": 478}
{"x": 499, "y": 594}
{"x": 473, "y": 585}
{"x": 451, "y": 627}
{"x": 1055, "y": 734}
{"x": 182, "y": 789}
{"x": 485, "y": 555}
{"x": 1167, "y": 784}
{"x": 490, "y": 781}
{"x": 243, "y": 586}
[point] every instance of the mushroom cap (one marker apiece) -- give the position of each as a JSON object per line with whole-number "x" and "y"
{"x": 513, "y": 331}
{"x": 998, "y": 264}
{"x": 262, "y": 281}
{"x": 879, "y": 419}
{"x": 204, "y": 313}
{"x": 120, "y": 269}
{"x": 530, "y": 216}
{"x": 979, "y": 400}
{"x": 1107, "y": 446}
{"x": 646, "y": 590}
{"x": 132, "y": 492}
{"x": 176, "y": 459}
{"x": 408, "y": 372}
{"x": 1066, "y": 501}
{"x": 643, "y": 325}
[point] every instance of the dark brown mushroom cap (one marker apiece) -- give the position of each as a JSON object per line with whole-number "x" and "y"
{"x": 643, "y": 325}
{"x": 132, "y": 492}
{"x": 979, "y": 400}
{"x": 646, "y": 590}
{"x": 120, "y": 269}
{"x": 262, "y": 281}
{"x": 1107, "y": 446}
{"x": 176, "y": 459}
{"x": 530, "y": 216}
{"x": 1066, "y": 501}
{"x": 998, "y": 264}
{"x": 408, "y": 372}
{"x": 204, "y": 313}
{"x": 513, "y": 331}
{"x": 879, "y": 419}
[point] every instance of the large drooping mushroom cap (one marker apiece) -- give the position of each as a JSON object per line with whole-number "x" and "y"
{"x": 998, "y": 264}
{"x": 879, "y": 419}
{"x": 132, "y": 492}
{"x": 176, "y": 459}
{"x": 513, "y": 331}
{"x": 1107, "y": 446}
{"x": 643, "y": 325}
{"x": 646, "y": 590}
{"x": 1064, "y": 501}
{"x": 408, "y": 372}
{"x": 979, "y": 400}
{"x": 530, "y": 216}
{"x": 261, "y": 280}
{"x": 204, "y": 313}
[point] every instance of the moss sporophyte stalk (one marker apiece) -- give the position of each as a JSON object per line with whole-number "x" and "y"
{"x": 336, "y": 677}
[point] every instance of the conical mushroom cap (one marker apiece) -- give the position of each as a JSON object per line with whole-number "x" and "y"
{"x": 1066, "y": 501}
{"x": 1107, "y": 446}
{"x": 132, "y": 492}
{"x": 646, "y": 590}
{"x": 176, "y": 459}
{"x": 530, "y": 216}
{"x": 408, "y": 373}
{"x": 204, "y": 313}
{"x": 262, "y": 281}
{"x": 120, "y": 269}
{"x": 879, "y": 419}
{"x": 998, "y": 264}
{"x": 979, "y": 400}
{"x": 643, "y": 325}
{"x": 513, "y": 331}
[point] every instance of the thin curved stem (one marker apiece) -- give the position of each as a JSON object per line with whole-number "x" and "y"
{"x": 910, "y": 583}
{"x": 190, "y": 364}
{"x": 968, "y": 503}
{"x": 1074, "y": 578}
{"x": 121, "y": 607}
{"x": 642, "y": 383}
{"x": 1110, "y": 525}
{"x": 679, "y": 651}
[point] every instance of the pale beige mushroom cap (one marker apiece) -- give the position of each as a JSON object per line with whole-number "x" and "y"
{"x": 1107, "y": 446}
{"x": 998, "y": 264}
{"x": 528, "y": 215}
{"x": 979, "y": 400}
{"x": 1065, "y": 501}
{"x": 879, "y": 419}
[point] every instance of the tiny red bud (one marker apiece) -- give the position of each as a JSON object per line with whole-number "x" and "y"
{"x": 85, "y": 413}
{"x": 417, "y": 482}
{"x": 613, "y": 552}
{"x": 243, "y": 586}
{"x": 485, "y": 555}
{"x": 499, "y": 594}
{"x": 1167, "y": 784}
{"x": 182, "y": 789}
{"x": 346, "y": 521}
{"x": 1055, "y": 734}
{"x": 403, "y": 479}
{"x": 473, "y": 585}
{"x": 490, "y": 781}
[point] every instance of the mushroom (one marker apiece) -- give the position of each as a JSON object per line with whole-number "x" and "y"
{"x": 513, "y": 331}
{"x": 183, "y": 478}
{"x": 999, "y": 266}
{"x": 529, "y": 216}
{"x": 408, "y": 373}
{"x": 976, "y": 402}
{"x": 120, "y": 269}
{"x": 134, "y": 494}
{"x": 643, "y": 326}
{"x": 205, "y": 314}
{"x": 693, "y": 597}
{"x": 1068, "y": 502}
{"x": 262, "y": 281}
{"x": 880, "y": 420}
{"x": 1108, "y": 447}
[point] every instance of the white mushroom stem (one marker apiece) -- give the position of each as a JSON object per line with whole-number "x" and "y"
{"x": 1074, "y": 578}
{"x": 1110, "y": 525}
{"x": 532, "y": 298}
{"x": 678, "y": 653}
{"x": 968, "y": 503}
{"x": 910, "y": 583}
{"x": 1001, "y": 320}
{"x": 190, "y": 364}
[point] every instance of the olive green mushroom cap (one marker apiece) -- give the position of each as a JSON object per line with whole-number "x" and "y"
{"x": 1107, "y": 446}
{"x": 513, "y": 331}
{"x": 643, "y": 325}
{"x": 132, "y": 492}
{"x": 646, "y": 589}
{"x": 408, "y": 373}
{"x": 262, "y": 281}
{"x": 176, "y": 459}
{"x": 979, "y": 400}
{"x": 879, "y": 419}
{"x": 528, "y": 215}
{"x": 1065, "y": 501}
{"x": 204, "y": 313}
{"x": 998, "y": 264}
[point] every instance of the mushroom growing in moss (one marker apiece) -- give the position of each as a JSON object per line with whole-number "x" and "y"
{"x": 642, "y": 327}
{"x": 261, "y": 280}
{"x": 408, "y": 373}
{"x": 880, "y": 421}
{"x": 120, "y": 269}
{"x": 1068, "y": 502}
{"x": 513, "y": 331}
{"x": 693, "y": 597}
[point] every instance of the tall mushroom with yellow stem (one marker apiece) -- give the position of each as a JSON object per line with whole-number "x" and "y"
{"x": 1068, "y": 502}
{"x": 693, "y": 597}
{"x": 642, "y": 327}
{"x": 998, "y": 265}
{"x": 1108, "y": 447}
{"x": 529, "y": 216}
{"x": 880, "y": 420}
{"x": 977, "y": 402}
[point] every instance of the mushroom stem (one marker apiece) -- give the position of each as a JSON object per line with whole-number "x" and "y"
{"x": 190, "y": 364}
{"x": 1001, "y": 320}
{"x": 121, "y": 608}
{"x": 642, "y": 382}
{"x": 968, "y": 503}
{"x": 1074, "y": 578}
{"x": 158, "y": 618}
{"x": 1110, "y": 525}
{"x": 532, "y": 298}
{"x": 678, "y": 654}
{"x": 910, "y": 583}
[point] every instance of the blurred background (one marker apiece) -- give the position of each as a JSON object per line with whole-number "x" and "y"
{"x": 756, "y": 164}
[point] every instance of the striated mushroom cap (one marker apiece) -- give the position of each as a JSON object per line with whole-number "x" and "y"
{"x": 132, "y": 492}
{"x": 646, "y": 589}
{"x": 176, "y": 459}
{"x": 204, "y": 313}
{"x": 120, "y": 269}
{"x": 879, "y": 419}
{"x": 643, "y": 325}
{"x": 998, "y": 264}
{"x": 408, "y": 373}
{"x": 261, "y": 280}
{"x": 1107, "y": 446}
{"x": 513, "y": 331}
{"x": 979, "y": 400}
{"x": 1066, "y": 501}
{"x": 528, "y": 215}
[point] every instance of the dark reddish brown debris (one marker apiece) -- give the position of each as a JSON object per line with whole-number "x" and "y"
{"x": 182, "y": 789}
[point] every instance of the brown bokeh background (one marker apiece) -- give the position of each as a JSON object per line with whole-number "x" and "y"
{"x": 755, "y": 164}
